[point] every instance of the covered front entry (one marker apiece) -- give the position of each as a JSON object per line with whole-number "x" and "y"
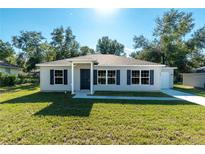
{"x": 85, "y": 79}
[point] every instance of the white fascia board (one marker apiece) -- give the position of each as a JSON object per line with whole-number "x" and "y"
{"x": 170, "y": 68}
{"x": 129, "y": 65}
{"x": 107, "y": 65}
{"x": 49, "y": 65}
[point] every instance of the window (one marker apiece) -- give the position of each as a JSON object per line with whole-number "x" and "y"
{"x": 111, "y": 78}
{"x": 101, "y": 76}
{"x": 135, "y": 76}
{"x": 145, "y": 77}
{"x": 58, "y": 76}
{"x": 8, "y": 70}
{"x": 107, "y": 76}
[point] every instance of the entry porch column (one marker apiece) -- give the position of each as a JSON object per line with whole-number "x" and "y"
{"x": 91, "y": 78}
{"x": 72, "y": 78}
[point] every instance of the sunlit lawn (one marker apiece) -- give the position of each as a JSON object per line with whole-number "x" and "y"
{"x": 189, "y": 89}
{"x": 28, "y": 116}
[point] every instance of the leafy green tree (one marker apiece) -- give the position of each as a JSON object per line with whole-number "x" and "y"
{"x": 7, "y": 52}
{"x": 64, "y": 43}
{"x": 21, "y": 60}
{"x": 169, "y": 45}
{"x": 49, "y": 53}
{"x": 30, "y": 44}
{"x": 108, "y": 46}
{"x": 85, "y": 50}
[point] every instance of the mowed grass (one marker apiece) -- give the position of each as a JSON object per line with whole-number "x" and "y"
{"x": 131, "y": 94}
{"x": 189, "y": 89}
{"x": 28, "y": 116}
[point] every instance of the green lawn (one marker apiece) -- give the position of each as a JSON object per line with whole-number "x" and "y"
{"x": 132, "y": 94}
{"x": 28, "y": 116}
{"x": 189, "y": 89}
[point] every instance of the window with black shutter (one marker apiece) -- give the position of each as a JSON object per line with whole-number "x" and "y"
{"x": 65, "y": 77}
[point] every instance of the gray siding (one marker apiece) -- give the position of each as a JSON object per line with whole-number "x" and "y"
{"x": 194, "y": 79}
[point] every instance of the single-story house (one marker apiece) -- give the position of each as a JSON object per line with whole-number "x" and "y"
{"x": 7, "y": 68}
{"x": 196, "y": 78}
{"x": 104, "y": 72}
{"x": 200, "y": 69}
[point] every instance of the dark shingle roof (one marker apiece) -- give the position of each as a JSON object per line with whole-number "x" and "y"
{"x": 102, "y": 60}
{"x": 5, "y": 64}
{"x": 199, "y": 70}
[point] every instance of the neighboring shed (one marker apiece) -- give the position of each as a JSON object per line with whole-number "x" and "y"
{"x": 194, "y": 79}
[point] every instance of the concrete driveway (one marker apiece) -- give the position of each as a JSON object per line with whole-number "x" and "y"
{"x": 185, "y": 96}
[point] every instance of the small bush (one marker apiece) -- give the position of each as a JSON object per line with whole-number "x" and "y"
{"x": 1, "y": 74}
{"x": 22, "y": 78}
{"x": 26, "y": 78}
{"x": 10, "y": 80}
{"x": 7, "y": 80}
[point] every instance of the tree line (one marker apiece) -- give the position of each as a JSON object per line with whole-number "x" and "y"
{"x": 174, "y": 43}
{"x": 34, "y": 48}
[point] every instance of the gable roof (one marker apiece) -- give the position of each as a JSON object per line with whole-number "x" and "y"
{"x": 102, "y": 60}
{"x": 5, "y": 64}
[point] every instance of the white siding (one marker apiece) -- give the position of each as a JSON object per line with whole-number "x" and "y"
{"x": 123, "y": 80}
{"x": 45, "y": 79}
{"x": 194, "y": 79}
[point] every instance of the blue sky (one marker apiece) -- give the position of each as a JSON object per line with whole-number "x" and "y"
{"x": 88, "y": 25}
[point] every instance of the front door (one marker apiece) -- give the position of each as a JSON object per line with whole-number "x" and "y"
{"x": 85, "y": 79}
{"x": 165, "y": 80}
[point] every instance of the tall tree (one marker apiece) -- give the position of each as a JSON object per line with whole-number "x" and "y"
{"x": 49, "y": 53}
{"x": 108, "y": 46}
{"x": 64, "y": 43}
{"x": 21, "y": 60}
{"x": 170, "y": 44}
{"x": 6, "y": 52}
{"x": 30, "y": 44}
{"x": 84, "y": 50}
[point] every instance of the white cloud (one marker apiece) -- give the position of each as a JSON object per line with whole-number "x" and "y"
{"x": 128, "y": 51}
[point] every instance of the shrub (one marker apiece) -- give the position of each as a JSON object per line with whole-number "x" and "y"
{"x": 10, "y": 80}
{"x": 22, "y": 78}
{"x": 1, "y": 74}
{"x": 7, "y": 80}
{"x": 26, "y": 78}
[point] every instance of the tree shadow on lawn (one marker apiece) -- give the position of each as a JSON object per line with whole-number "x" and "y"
{"x": 64, "y": 105}
{"x": 28, "y": 87}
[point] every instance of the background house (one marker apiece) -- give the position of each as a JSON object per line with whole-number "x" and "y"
{"x": 9, "y": 68}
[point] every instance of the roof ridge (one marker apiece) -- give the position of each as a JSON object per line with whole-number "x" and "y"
{"x": 104, "y": 59}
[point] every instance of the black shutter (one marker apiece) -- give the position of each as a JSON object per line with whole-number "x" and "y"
{"x": 118, "y": 77}
{"x": 51, "y": 76}
{"x": 94, "y": 77}
{"x": 128, "y": 77}
{"x": 65, "y": 77}
{"x": 152, "y": 77}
